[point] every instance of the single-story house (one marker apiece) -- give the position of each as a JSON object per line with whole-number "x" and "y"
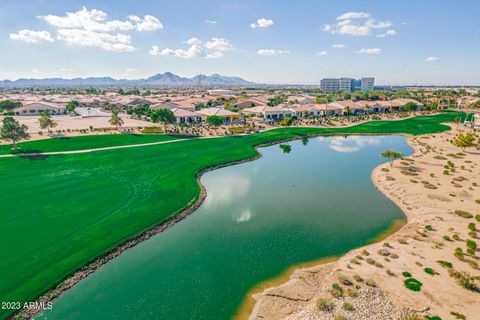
{"x": 208, "y": 112}
{"x": 184, "y": 116}
{"x": 164, "y": 105}
{"x": 35, "y": 108}
{"x": 270, "y": 113}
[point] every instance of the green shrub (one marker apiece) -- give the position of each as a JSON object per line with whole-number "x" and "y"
{"x": 472, "y": 226}
{"x": 472, "y": 244}
{"x": 336, "y": 291}
{"x": 447, "y": 238}
{"x": 406, "y": 274}
{"x": 347, "y": 306}
{"x": 432, "y": 318}
{"x": 470, "y": 251}
{"x": 445, "y": 264}
{"x": 413, "y": 284}
{"x": 325, "y": 305}
{"x": 458, "y": 255}
{"x": 428, "y": 227}
{"x": 456, "y": 237}
{"x": 430, "y": 271}
{"x": 463, "y": 214}
{"x": 477, "y": 217}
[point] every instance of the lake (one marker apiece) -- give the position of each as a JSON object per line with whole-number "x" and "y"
{"x": 301, "y": 201}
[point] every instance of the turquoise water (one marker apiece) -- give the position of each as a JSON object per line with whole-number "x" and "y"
{"x": 311, "y": 200}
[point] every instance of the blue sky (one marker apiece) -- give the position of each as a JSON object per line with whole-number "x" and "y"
{"x": 397, "y": 42}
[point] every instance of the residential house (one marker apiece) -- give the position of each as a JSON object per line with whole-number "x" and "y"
{"x": 208, "y": 112}
{"x": 35, "y": 108}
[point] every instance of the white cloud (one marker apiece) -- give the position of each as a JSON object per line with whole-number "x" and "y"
{"x": 30, "y": 36}
{"x": 432, "y": 59}
{"x": 339, "y": 46}
{"x": 130, "y": 70}
{"x": 355, "y": 24}
{"x": 212, "y": 49}
{"x": 369, "y": 51}
{"x": 353, "y": 15}
{"x": 96, "y": 20}
{"x": 390, "y": 32}
{"x": 194, "y": 51}
{"x": 193, "y": 41}
{"x": 106, "y": 41}
{"x": 321, "y": 53}
{"x": 261, "y": 23}
{"x": 66, "y": 70}
{"x": 148, "y": 23}
{"x": 210, "y": 21}
{"x": 271, "y": 52}
{"x": 214, "y": 55}
{"x": 219, "y": 44}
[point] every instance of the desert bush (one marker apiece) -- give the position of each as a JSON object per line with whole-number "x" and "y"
{"x": 447, "y": 238}
{"x": 406, "y": 274}
{"x": 473, "y": 264}
{"x": 336, "y": 291}
{"x": 354, "y": 261}
{"x": 458, "y": 315}
{"x": 370, "y": 283}
{"x": 352, "y": 292}
{"x": 445, "y": 264}
{"x": 347, "y": 306}
{"x": 390, "y": 272}
{"x": 383, "y": 252}
{"x": 472, "y": 226}
{"x": 477, "y": 217}
{"x": 345, "y": 280}
{"x": 430, "y": 271}
{"x": 324, "y": 304}
{"x": 471, "y": 244}
{"x": 463, "y": 214}
{"x": 358, "y": 278}
{"x": 413, "y": 284}
{"x": 365, "y": 252}
{"x": 370, "y": 261}
{"x": 378, "y": 264}
{"x": 428, "y": 227}
{"x": 471, "y": 252}
{"x": 340, "y": 317}
{"x": 464, "y": 279}
{"x": 456, "y": 237}
{"x": 394, "y": 255}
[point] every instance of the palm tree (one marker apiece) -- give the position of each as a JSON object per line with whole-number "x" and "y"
{"x": 115, "y": 119}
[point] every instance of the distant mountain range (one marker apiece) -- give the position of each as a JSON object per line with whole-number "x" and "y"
{"x": 166, "y": 79}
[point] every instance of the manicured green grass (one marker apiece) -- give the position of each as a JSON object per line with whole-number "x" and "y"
{"x": 59, "y": 212}
{"x": 86, "y": 142}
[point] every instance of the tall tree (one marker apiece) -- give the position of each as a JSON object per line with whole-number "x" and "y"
{"x": 391, "y": 155}
{"x": 71, "y": 106}
{"x": 165, "y": 116}
{"x": 115, "y": 119}
{"x": 46, "y": 121}
{"x": 13, "y": 131}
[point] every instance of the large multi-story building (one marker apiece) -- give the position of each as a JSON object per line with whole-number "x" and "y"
{"x": 329, "y": 85}
{"x": 366, "y": 84}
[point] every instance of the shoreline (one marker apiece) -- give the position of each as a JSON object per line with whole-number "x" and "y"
{"x": 292, "y": 299}
{"x": 248, "y": 303}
